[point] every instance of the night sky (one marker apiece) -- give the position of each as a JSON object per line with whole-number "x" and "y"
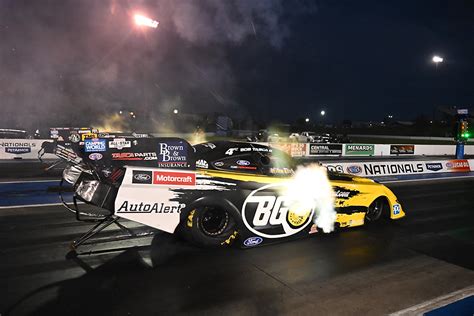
{"x": 73, "y": 62}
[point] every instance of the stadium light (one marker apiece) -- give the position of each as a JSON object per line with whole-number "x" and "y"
{"x": 323, "y": 113}
{"x": 141, "y": 20}
{"x": 306, "y": 119}
{"x": 436, "y": 59}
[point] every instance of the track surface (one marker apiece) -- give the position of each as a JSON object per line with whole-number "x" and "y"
{"x": 370, "y": 270}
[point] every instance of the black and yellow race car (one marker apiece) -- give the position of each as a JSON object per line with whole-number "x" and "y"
{"x": 214, "y": 194}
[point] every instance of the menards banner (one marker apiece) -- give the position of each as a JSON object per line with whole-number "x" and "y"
{"x": 360, "y": 149}
{"x": 385, "y": 168}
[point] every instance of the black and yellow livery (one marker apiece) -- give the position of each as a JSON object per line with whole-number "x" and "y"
{"x": 214, "y": 194}
{"x": 254, "y": 173}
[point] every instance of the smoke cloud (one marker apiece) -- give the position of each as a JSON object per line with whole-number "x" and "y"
{"x": 69, "y": 63}
{"x": 309, "y": 189}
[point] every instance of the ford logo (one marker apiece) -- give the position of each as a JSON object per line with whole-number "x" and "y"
{"x": 354, "y": 169}
{"x": 95, "y": 156}
{"x": 243, "y": 162}
{"x": 253, "y": 241}
{"x": 142, "y": 177}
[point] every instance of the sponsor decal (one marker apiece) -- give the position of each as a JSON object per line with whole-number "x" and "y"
{"x": 434, "y": 166}
{"x": 88, "y": 136}
{"x": 253, "y": 241}
{"x": 174, "y": 178}
{"x": 201, "y": 163}
{"x": 18, "y": 150}
{"x": 172, "y": 154}
{"x": 95, "y": 145}
{"x": 244, "y": 167}
{"x": 134, "y": 156}
{"x": 402, "y": 149}
{"x": 354, "y": 169}
{"x": 396, "y": 209}
{"x": 360, "y": 149}
{"x": 325, "y": 149}
{"x": 243, "y": 162}
{"x": 398, "y": 168}
{"x": 209, "y": 145}
{"x": 139, "y": 135}
{"x": 218, "y": 164}
{"x": 267, "y": 214}
{"x": 142, "y": 177}
{"x": 120, "y": 143}
{"x": 146, "y": 208}
{"x": 342, "y": 193}
{"x": 335, "y": 168}
{"x": 75, "y": 138}
{"x": 231, "y": 151}
{"x": 458, "y": 165}
{"x": 95, "y": 156}
{"x": 284, "y": 171}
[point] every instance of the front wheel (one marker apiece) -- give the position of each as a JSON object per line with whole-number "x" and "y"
{"x": 210, "y": 226}
{"x": 376, "y": 209}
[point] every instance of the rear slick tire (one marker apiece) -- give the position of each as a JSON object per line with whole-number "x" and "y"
{"x": 210, "y": 226}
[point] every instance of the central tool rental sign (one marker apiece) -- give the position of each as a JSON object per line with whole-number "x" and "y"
{"x": 386, "y": 168}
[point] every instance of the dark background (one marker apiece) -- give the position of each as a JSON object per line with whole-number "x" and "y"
{"x": 76, "y": 62}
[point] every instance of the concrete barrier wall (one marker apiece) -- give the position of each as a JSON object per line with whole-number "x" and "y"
{"x": 368, "y": 150}
{"x": 22, "y": 149}
{"x": 403, "y": 167}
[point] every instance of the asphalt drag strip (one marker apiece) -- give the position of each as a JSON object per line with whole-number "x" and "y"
{"x": 375, "y": 269}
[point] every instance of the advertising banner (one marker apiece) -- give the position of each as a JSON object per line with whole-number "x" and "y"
{"x": 292, "y": 149}
{"x": 325, "y": 149}
{"x": 402, "y": 149}
{"x": 386, "y": 168}
{"x": 360, "y": 149}
{"x": 22, "y": 149}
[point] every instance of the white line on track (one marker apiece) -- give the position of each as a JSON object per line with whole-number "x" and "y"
{"x": 31, "y": 181}
{"x": 28, "y": 205}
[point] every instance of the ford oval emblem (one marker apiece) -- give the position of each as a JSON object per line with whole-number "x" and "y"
{"x": 354, "y": 169}
{"x": 95, "y": 156}
{"x": 243, "y": 162}
{"x": 142, "y": 177}
{"x": 253, "y": 241}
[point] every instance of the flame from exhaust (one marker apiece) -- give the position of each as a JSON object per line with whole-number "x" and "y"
{"x": 309, "y": 189}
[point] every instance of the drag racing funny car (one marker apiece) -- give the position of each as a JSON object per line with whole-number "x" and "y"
{"x": 216, "y": 194}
